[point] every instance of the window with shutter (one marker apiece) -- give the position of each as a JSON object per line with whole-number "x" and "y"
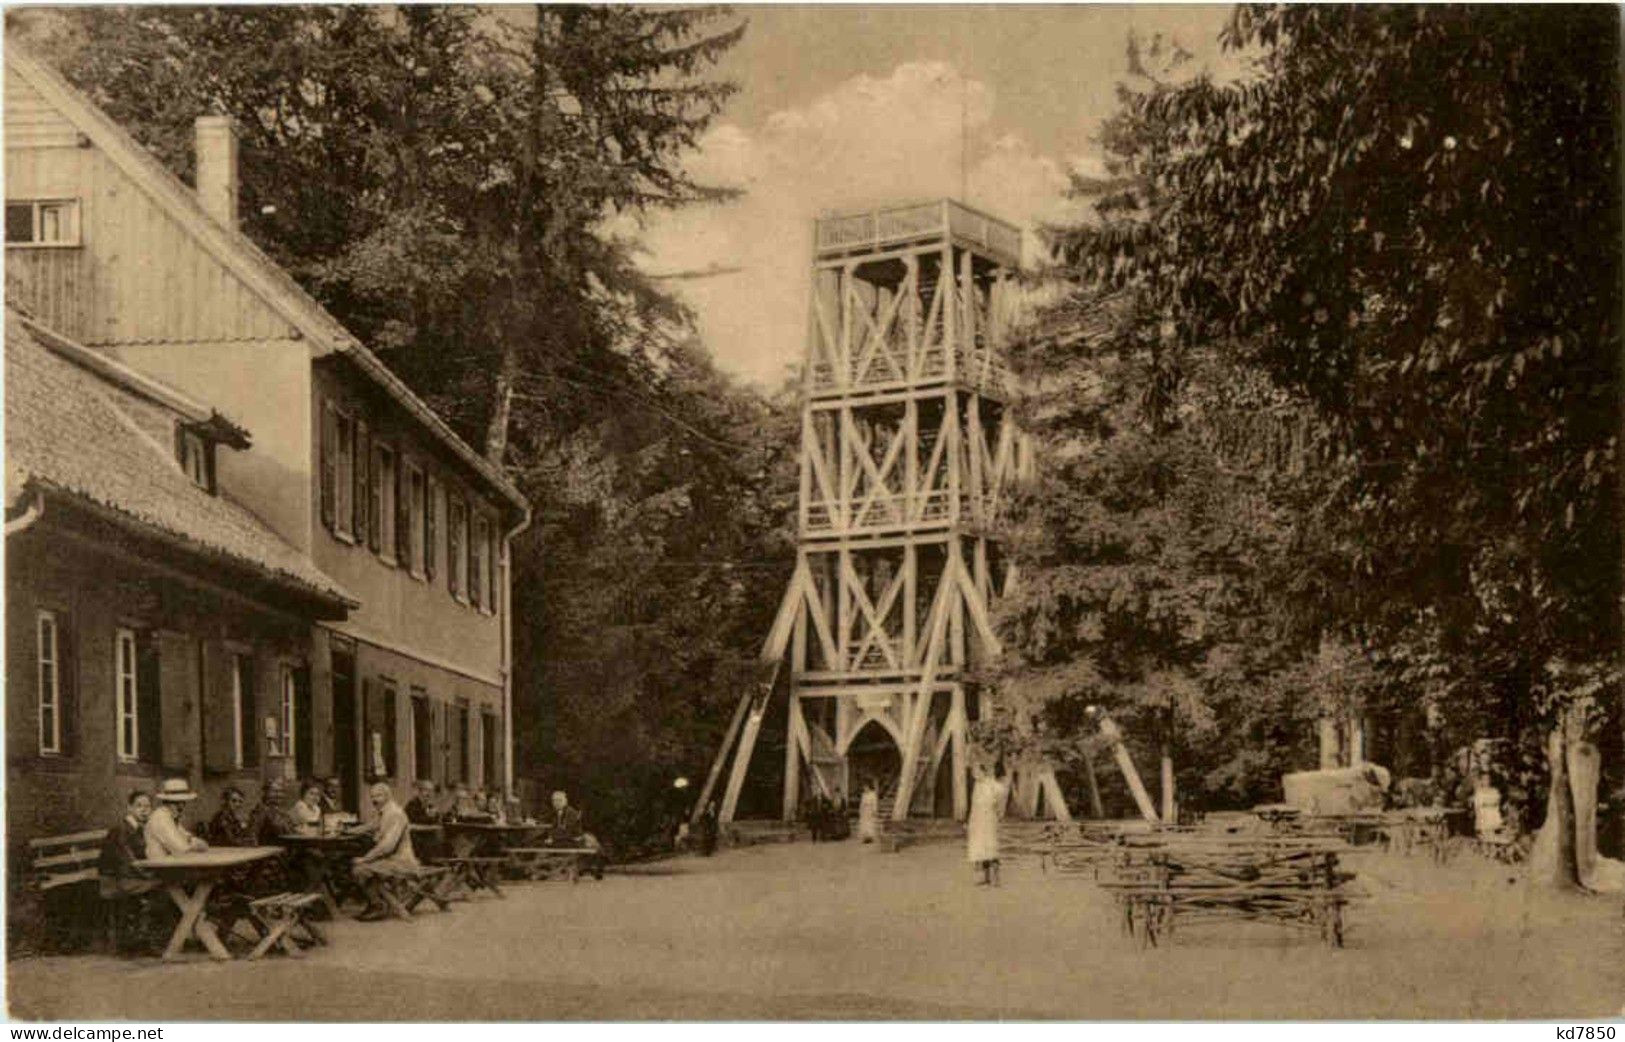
{"x": 422, "y": 736}
{"x": 127, "y": 695}
{"x": 363, "y": 498}
{"x": 49, "y": 660}
{"x": 67, "y": 680}
{"x": 383, "y": 502}
{"x": 476, "y": 562}
{"x": 404, "y": 514}
{"x": 430, "y": 546}
{"x": 149, "y": 725}
{"x": 244, "y": 688}
{"x": 343, "y": 453}
{"x": 456, "y": 539}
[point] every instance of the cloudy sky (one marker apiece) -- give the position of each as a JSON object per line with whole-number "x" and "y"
{"x": 850, "y": 106}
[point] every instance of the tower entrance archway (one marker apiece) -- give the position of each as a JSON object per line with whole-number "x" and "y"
{"x": 873, "y": 754}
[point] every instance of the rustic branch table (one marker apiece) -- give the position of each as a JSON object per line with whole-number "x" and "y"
{"x": 190, "y": 878}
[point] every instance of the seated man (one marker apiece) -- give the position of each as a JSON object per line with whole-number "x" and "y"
{"x": 270, "y": 817}
{"x": 122, "y": 882}
{"x": 421, "y": 809}
{"x": 391, "y": 856}
{"x": 167, "y": 837}
{"x": 232, "y": 826}
{"x": 566, "y": 830}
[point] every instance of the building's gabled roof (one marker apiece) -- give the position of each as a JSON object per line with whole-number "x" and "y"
{"x": 69, "y": 433}
{"x": 243, "y": 258}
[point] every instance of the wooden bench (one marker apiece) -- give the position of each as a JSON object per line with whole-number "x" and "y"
{"x": 70, "y": 860}
{"x": 65, "y": 860}
{"x": 537, "y": 863}
{"x": 472, "y": 874}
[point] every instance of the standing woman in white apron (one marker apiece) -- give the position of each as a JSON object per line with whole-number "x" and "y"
{"x": 869, "y": 813}
{"x": 982, "y": 830}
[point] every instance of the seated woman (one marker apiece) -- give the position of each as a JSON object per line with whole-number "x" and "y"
{"x": 307, "y": 810}
{"x": 231, "y": 826}
{"x": 495, "y": 808}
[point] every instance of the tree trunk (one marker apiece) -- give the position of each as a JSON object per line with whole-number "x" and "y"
{"x": 496, "y": 431}
{"x": 1560, "y": 809}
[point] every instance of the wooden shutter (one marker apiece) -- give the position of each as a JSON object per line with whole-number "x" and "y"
{"x": 403, "y": 511}
{"x": 180, "y": 696}
{"x": 375, "y": 505}
{"x": 431, "y": 489}
{"x": 476, "y": 581}
{"x": 248, "y": 678}
{"x": 329, "y": 446}
{"x": 391, "y": 698}
{"x": 148, "y": 701}
{"x": 219, "y": 715}
{"x": 361, "y": 462}
{"x": 67, "y": 683}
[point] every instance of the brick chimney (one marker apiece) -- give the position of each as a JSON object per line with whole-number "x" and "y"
{"x": 217, "y": 168}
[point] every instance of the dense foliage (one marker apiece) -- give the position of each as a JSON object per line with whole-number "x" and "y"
{"x": 1407, "y": 218}
{"x": 457, "y": 185}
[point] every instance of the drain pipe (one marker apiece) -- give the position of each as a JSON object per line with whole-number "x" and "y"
{"x": 33, "y": 512}
{"x": 507, "y": 650}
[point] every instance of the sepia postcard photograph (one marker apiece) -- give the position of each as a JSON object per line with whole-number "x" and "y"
{"x": 808, "y": 513}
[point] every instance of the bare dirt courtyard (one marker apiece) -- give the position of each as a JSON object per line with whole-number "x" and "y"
{"x": 843, "y": 931}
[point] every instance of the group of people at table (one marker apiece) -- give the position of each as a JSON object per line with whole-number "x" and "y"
{"x": 153, "y": 828}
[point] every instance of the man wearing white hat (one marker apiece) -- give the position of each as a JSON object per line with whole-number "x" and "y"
{"x": 166, "y": 837}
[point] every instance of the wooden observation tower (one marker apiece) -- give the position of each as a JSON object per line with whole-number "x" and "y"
{"x": 908, "y": 452}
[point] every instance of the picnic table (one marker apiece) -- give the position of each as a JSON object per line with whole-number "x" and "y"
{"x": 477, "y": 852}
{"x": 328, "y": 859}
{"x": 190, "y": 878}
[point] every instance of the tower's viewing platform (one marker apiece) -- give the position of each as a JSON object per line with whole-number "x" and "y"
{"x": 889, "y": 227}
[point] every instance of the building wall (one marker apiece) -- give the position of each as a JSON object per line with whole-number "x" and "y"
{"x": 401, "y": 611}
{"x": 108, "y": 289}
{"x": 264, "y": 386}
{"x": 94, "y": 592}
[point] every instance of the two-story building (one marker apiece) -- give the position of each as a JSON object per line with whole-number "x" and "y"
{"x": 347, "y": 465}
{"x": 154, "y": 626}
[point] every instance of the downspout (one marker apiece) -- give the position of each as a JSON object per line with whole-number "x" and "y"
{"x": 507, "y": 651}
{"x": 33, "y": 512}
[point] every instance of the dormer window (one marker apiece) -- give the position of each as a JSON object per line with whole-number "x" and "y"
{"x": 195, "y": 458}
{"x": 42, "y": 222}
{"x": 195, "y": 444}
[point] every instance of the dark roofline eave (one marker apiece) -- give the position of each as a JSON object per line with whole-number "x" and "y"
{"x": 320, "y": 605}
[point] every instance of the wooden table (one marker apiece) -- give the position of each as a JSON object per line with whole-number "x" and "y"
{"x": 190, "y": 878}
{"x": 477, "y": 850}
{"x": 330, "y": 857}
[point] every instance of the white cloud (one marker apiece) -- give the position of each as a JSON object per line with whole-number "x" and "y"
{"x": 869, "y": 141}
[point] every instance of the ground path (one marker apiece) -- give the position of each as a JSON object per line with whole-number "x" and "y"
{"x": 835, "y": 931}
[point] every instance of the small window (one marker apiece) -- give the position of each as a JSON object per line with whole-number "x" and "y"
{"x": 42, "y": 222}
{"x": 344, "y": 474}
{"x": 50, "y": 685}
{"x": 383, "y": 501}
{"x": 129, "y": 696}
{"x": 194, "y": 452}
{"x": 285, "y": 744}
{"x": 415, "y": 509}
{"x": 456, "y": 541}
